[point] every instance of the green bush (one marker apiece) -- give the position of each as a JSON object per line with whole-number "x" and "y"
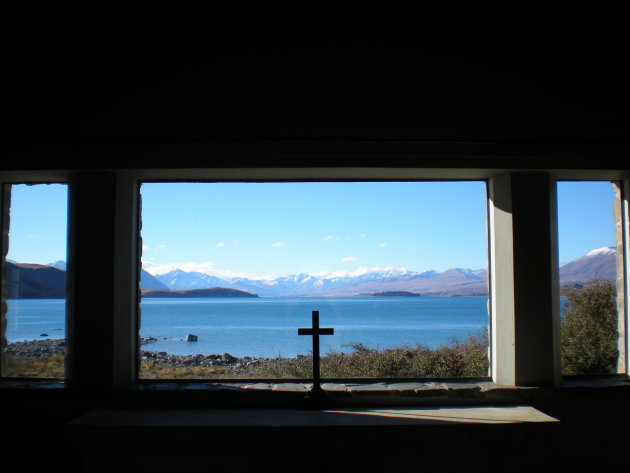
{"x": 589, "y": 333}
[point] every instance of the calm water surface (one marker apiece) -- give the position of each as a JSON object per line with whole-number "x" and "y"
{"x": 267, "y": 327}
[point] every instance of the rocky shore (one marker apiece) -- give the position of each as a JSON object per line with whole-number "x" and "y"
{"x": 36, "y": 348}
{"x": 57, "y": 347}
{"x": 225, "y": 360}
{"x": 203, "y": 361}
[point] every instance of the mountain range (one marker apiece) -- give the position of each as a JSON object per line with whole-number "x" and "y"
{"x": 49, "y": 281}
{"x": 599, "y": 263}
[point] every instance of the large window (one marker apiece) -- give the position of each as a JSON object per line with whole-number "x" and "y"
{"x": 231, "y": 270}
{"x": 418, "y": 276}
{"x": 34, "y": 284}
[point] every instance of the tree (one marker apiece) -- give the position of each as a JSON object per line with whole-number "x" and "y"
{"x": 588, "y": 332}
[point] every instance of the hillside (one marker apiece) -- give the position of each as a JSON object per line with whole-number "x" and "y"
{"x": 35, "y": 281}
{"x": 596, "y": 264}
{"x": 148, "y": 281}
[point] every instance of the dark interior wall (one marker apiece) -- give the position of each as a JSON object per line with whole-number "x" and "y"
{"x": 98, "y": 90}
{"x": 78, "y": 76}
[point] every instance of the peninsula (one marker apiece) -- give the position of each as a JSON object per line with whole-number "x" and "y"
{"x": 396, "y": 294}
{"x": 209, "y": 292}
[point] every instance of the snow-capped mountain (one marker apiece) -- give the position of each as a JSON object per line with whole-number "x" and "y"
{"x": 466, "y": 281}
{"x": 458, "y": 281}
{"x": 178, "y": 279}
{"x": 59, "y": 264}
{"x": 599, "y": 263}
{"x": 596, "y": 264}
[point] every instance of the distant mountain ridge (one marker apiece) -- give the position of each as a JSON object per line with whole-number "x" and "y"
{"x": 599, "y": 263}
{"x": 27, "y": 280}
{"x": 457, "y": 281}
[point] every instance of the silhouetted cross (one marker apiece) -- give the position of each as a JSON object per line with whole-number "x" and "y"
{"x": 316, "y": 332}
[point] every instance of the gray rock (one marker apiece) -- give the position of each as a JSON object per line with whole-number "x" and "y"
{"x": 227, "y": 358}
{"x": 191, "y": 338}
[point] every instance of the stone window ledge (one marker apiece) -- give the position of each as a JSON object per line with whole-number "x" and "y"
{"x": 401, "y": 392}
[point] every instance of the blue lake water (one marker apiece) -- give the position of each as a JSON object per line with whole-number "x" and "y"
{"x": 267, "y": 327}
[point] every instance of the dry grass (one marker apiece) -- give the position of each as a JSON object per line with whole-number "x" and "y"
{"x": 151, "y": 370}
{"x": 458, "y": 359}
{"x": 24, "y": 367}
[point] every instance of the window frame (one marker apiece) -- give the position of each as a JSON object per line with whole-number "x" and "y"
{"x": 29, "y": 178}
{"x": 126, "y": 241}
{"x": 352, "y": 380}
{"x": 621, "y": 238}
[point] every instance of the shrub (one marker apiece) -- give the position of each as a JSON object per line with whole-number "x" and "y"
{"x": 26, "y": 367}
{"x": 588, "y": 332}
{"x": 458, "y": 358}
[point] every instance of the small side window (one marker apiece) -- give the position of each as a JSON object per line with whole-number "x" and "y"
{"x": 34, "y": 246}
{"x": 591, "y": 247}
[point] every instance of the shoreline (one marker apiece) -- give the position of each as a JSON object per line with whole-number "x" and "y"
{"x": 57, "y": 347}
{"x": 468, "y": 358}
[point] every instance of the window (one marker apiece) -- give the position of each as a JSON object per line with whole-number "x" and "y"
{"x": 231, "y": 270}
{"x": 591, "y": 277}
{"x": 104, "y": 249}
{"x": 34, "y": 289}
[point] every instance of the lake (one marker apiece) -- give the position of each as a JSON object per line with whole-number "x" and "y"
{"x": 267, "y": 327}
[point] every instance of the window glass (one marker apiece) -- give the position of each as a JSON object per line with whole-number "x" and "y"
{"x": 34, "y": 280}
{"x": 231, "y": 271}
{"x": 591, "y": 280}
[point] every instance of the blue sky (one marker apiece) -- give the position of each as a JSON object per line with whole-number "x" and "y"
{"x": 275, "y": 229}
{"x": 585, "y": 218}
{"x": 38, "y": 225}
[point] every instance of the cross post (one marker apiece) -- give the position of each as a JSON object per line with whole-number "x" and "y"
{"x": 316, "y": 332}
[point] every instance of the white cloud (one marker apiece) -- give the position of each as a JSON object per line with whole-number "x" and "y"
{"x": 348, "y": 259}
{"x": 277, "y": 244}
{"x": 363, "y": 235}
{"x": 331, "y": 238}
{"x": 382, "y": 245}
{"x": 158, "y": 247}
{"x": 219, "y": 245}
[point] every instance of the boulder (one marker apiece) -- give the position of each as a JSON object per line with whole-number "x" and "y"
{"x": 227, "y": 358}
{"x": 190, "y": 338}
